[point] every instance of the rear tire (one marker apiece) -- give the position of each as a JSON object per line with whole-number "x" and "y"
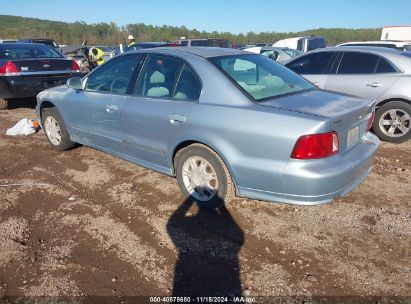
{"x": 203, "y": 176}
{"x": 4, "y": 104}
{"x": 55, "y": 130}
{"x": 392, "y": 122}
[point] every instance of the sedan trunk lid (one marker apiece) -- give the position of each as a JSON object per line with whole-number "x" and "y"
{"x": 349, "y": 115}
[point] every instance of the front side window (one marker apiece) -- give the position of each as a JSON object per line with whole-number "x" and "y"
{"x": 312, "y": 64}
{"x": 114, "y": 76}
{"x": 260, "y": 77}
{"x": 188, "y": 86}
{"x": 358, "y": 63}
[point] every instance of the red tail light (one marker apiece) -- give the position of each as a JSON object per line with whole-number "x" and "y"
{"x": 74, "y": 66}
{"x": 371, "y": 121}
{"x": 9, "y": 69}
{"x": 316, "y": 146}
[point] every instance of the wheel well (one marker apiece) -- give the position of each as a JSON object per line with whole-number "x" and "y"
{"x": 381, "y": 103}
{"x": 45, "y": 104}
{"x": 183, "y": 145}
{"x": 187, "y": 143}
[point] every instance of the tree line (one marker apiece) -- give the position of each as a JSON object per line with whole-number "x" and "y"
{"x": 111, "y": 34}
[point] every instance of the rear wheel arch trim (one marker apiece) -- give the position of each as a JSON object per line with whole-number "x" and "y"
{"x": 187, "y": 143}
{"x": 385, "y": 101}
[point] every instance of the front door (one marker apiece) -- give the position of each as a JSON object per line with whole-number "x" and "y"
{"x": 314, "y": 67}
{"x": 101, "y": 103}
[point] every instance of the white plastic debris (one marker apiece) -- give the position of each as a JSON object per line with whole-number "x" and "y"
{"x": 23, "y": 127}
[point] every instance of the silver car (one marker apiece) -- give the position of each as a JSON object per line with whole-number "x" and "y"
{"x": 279, "y": 54}
{"x": 222, "y": 121}
{"x": 379, "y": 74}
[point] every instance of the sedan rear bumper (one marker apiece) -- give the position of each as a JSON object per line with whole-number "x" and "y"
{"x": 30, "y": 86}
{"x": 313, "y": 182}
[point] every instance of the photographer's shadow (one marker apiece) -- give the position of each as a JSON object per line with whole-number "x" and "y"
{"x": 208, "y": 244}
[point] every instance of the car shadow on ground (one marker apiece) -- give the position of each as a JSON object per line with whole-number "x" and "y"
{"x": 17, "y": 103}
{"x": 208, "y": 243}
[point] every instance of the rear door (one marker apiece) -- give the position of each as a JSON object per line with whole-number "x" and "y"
{"x": 314, "y": 67}
{"x": 362, "y": 74}
{"x": 94, "y": 113}
{"x": 165, "y": 95}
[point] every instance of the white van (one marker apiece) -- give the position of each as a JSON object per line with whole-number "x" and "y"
{"x": 303, "y": 44}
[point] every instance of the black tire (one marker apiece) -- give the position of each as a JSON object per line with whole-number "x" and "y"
{"x": 381, "y": 131}
{"x": 4, "y": 104}
{"x": 225, "y": 190}
{"x": 65, "y": 143}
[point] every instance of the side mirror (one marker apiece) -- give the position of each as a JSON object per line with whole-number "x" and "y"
{"x": 75, "y": 83}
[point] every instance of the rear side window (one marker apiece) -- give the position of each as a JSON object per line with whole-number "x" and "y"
{"x": 385, "y": 67}
{"x": 114, "y": 76}
{"x": 315, "y": 63}
{"x": 358, "y": 63}
{"x": 188, "y": 86}
{"x": 199, "y": 43}
{"x": 167, "y": 77}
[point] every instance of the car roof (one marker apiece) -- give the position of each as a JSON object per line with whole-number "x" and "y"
{"x": 205, "y": 52}
{"x": 371, "y": 49}
{"x": 23, "y": 43}
{"x": 397, "y": 43}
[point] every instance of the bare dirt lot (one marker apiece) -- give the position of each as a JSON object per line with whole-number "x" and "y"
{"x": 82, "y": 223}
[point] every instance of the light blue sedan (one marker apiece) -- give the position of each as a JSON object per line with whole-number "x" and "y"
{"x": 224, "y": 122}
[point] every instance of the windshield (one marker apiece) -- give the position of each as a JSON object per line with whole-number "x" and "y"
{"x": 22, "y": 51}
{"x": 260, "y": 77}
{"x": 292, "y": 52}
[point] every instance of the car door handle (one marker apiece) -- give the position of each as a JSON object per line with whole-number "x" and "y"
{"x": 316, "y": 84}
{"x": 374, "y": 84}
{"x": 176, "y": 119}
{"x": 111, "y": 108}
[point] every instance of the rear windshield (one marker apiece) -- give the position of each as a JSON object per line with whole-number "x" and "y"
{"x": 260, "y": 77}
{"x": 315, "y": 43}
{"x": 292, "y": 52}
{"x": 22, "y": 51}
{"x": 45, "y": 41}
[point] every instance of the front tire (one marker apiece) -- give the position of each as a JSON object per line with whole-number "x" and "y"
{"x": 392, "y": 122}
{"x": 203, "y": 176}
{"x": 56, "y": 132}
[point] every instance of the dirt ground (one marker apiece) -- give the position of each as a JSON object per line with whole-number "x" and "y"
{"x": 81, "y": 224}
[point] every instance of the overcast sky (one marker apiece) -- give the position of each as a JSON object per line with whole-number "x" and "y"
{"x": 221, "y": 15}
